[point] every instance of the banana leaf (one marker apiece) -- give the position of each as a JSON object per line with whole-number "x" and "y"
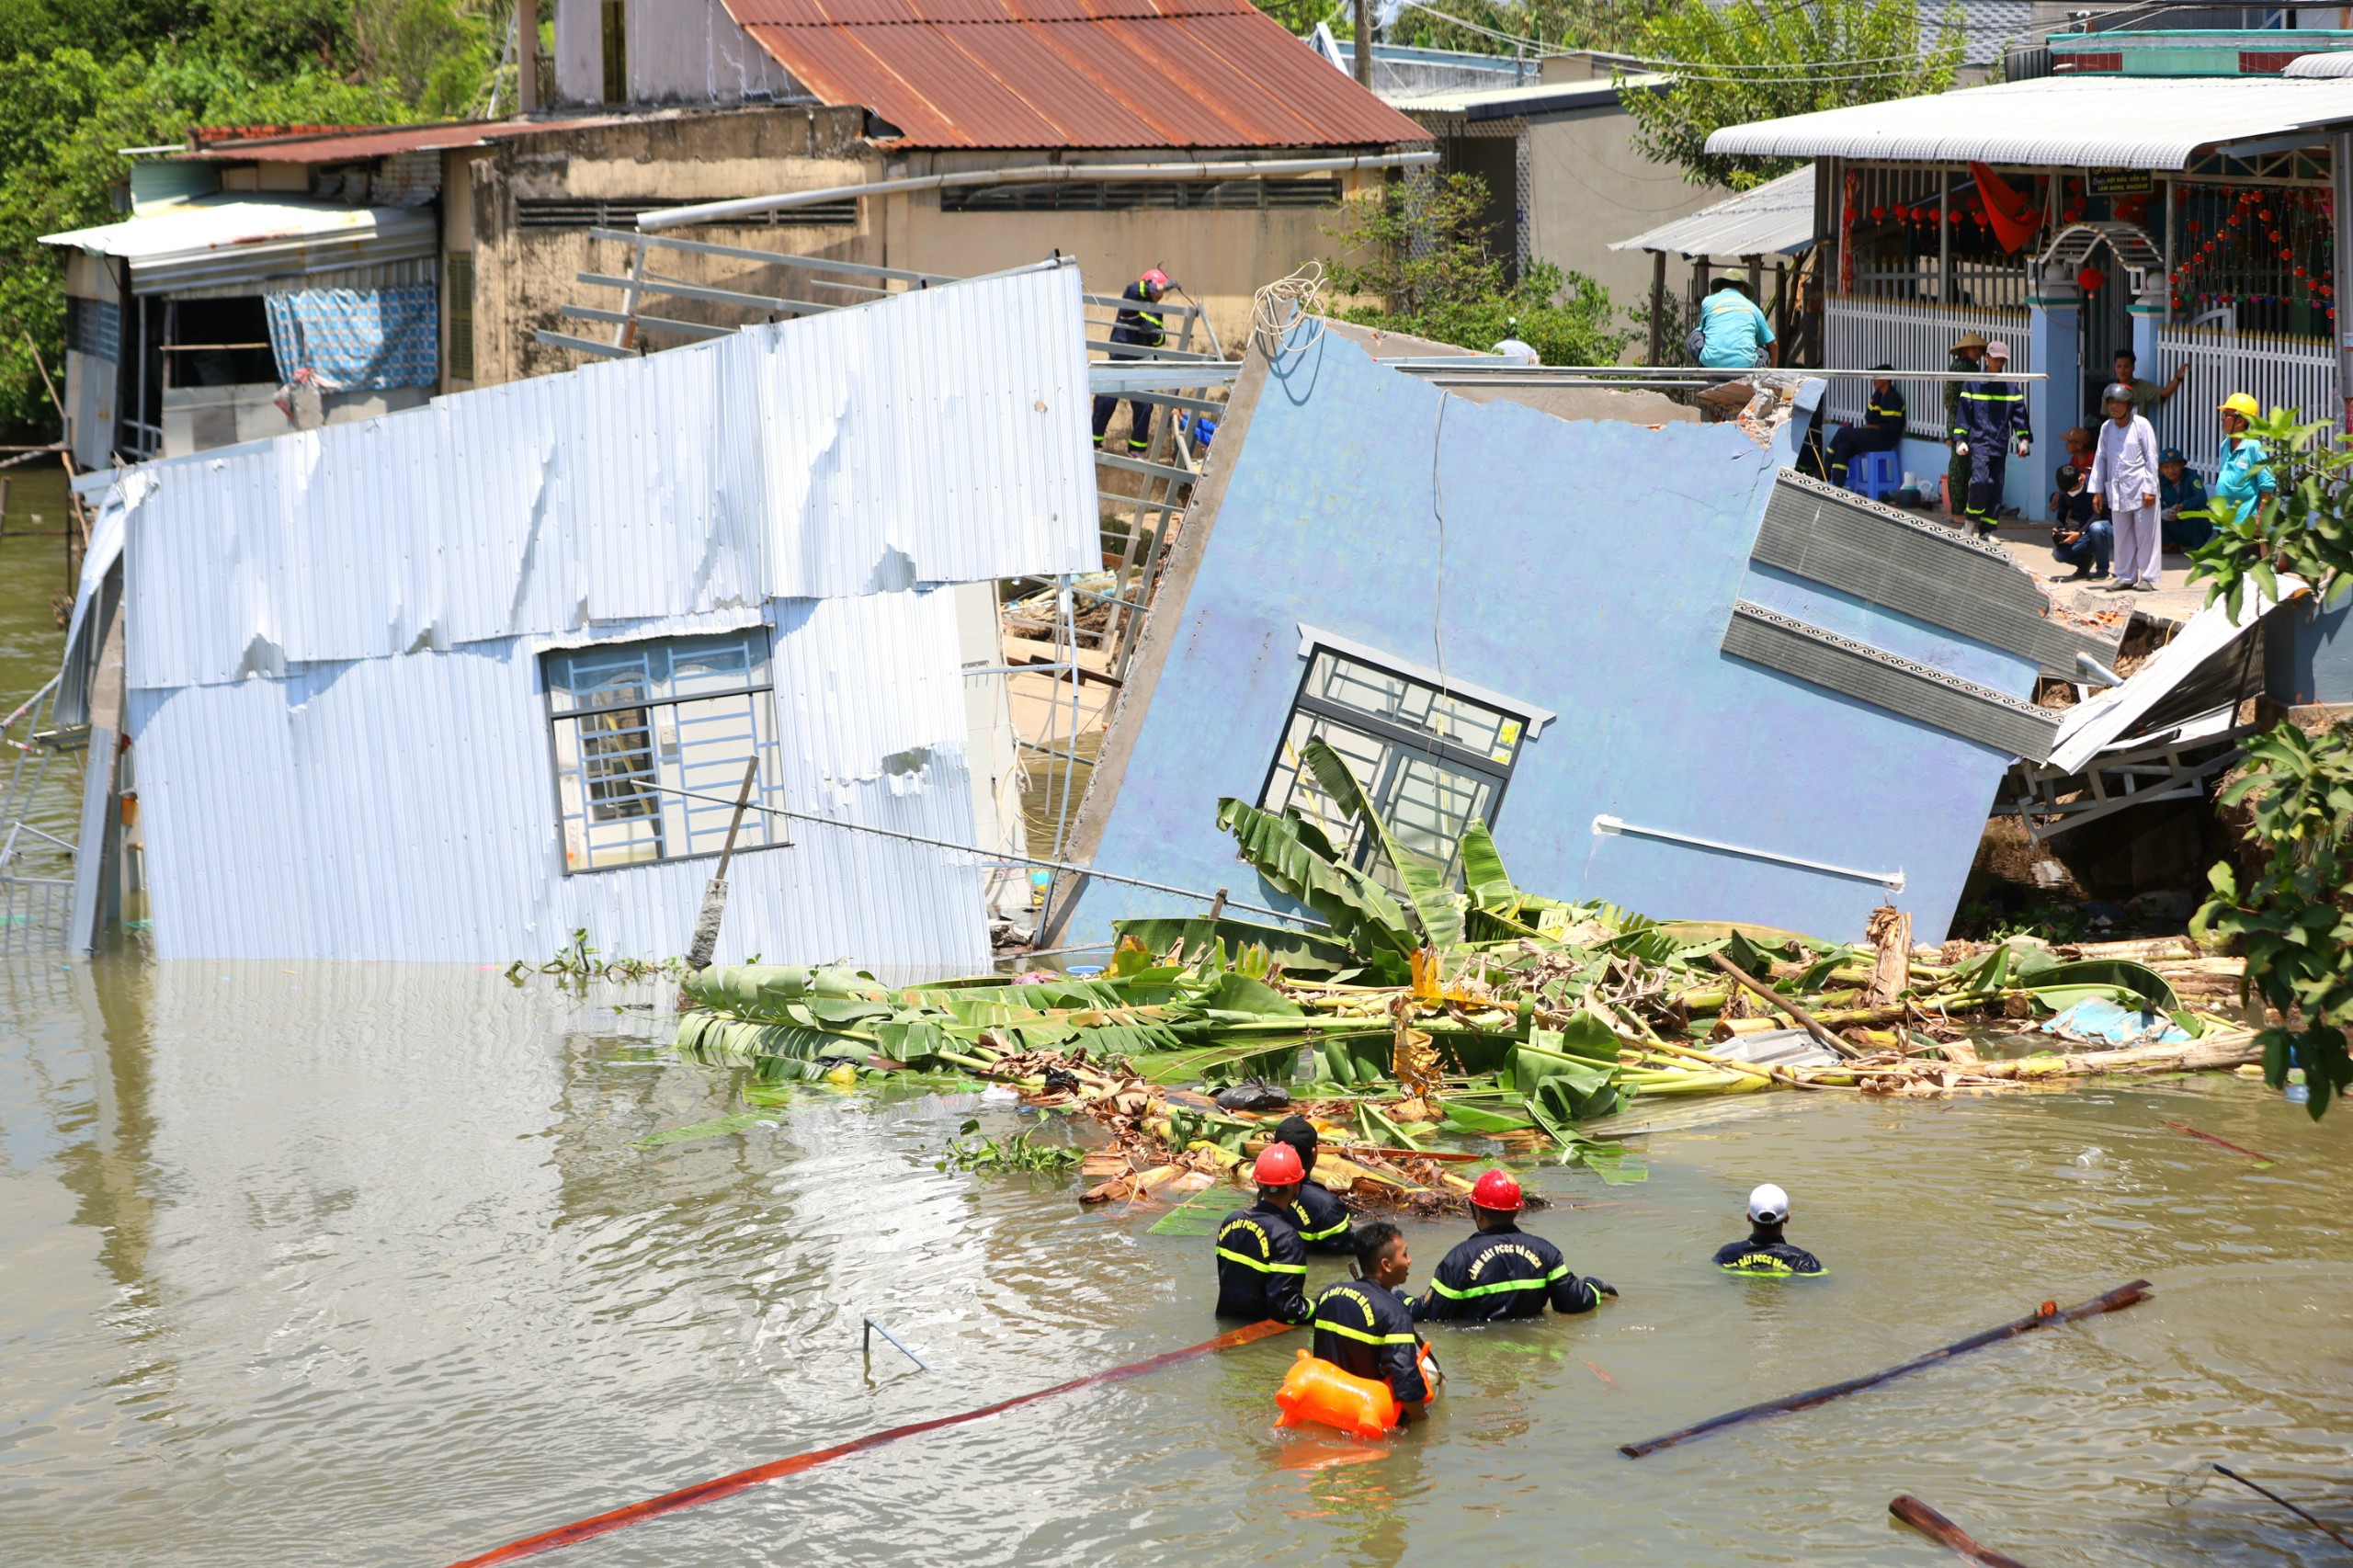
{"x": 1483, "y": 870}
{"x": 1358, "y": 1060}
{"x": 1461, "y": 1118}
{"x": 2137, "y": 979}
{"x": 718, "y": 1128}
{"x": 1238, "y": 995}
{"x": 1360, "y": 910}
{"x": 1435, "y": 904}
{"x": 1299, "y": 952}
{"x": 1199, "y": 1214}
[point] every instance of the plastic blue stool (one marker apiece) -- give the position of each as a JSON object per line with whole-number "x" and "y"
{"x": 1875, "y": 474}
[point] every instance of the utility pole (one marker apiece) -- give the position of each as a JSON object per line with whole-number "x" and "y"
{"x": 527, "y": 54}
{"x": 1361, "y": 51}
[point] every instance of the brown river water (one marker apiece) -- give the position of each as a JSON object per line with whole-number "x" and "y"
{"x": 362, "y": 1264}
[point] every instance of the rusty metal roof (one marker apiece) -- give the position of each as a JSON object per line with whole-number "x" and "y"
{"x": 353, "y": 143}
{"x": 1072, "y": 73}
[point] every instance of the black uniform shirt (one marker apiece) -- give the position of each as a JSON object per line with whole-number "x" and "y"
{"x": 1364, "y": 1328}
{"x": 1502, "y": 1272}
{"x": 1321, "y": 1219}
{"x": 1261, "y": 1266}
{"x": 1766, "y": 1254}
{"x": 1885, "y": 412}
{"x": 1139, "y": 320}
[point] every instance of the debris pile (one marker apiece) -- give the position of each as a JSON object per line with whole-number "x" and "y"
{"x": 1491, "y": 1013}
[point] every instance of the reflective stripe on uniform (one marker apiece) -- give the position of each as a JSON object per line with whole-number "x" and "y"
{"x": 1361, "y": 1335}
{"x": 1307, "y": 1235}
{"x": 1992, "y": 397}
{"x": 1261, "y": 1266}
{"x": 1443, "y": 1288}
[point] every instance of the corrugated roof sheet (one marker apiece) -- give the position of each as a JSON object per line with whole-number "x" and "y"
{"x": 939, "y": 436}
{"x": 376, "y": 140}
{"x": 217, "y": 239}
{"x": 2107, "y": 122}
{"x": 1535, "y": 98}
{"x": 1072, "y": 73}
{"x": 1775, "y": 219}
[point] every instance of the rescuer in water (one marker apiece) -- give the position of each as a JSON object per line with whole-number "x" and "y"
{"x": 1364, "y": 1328}
{"x": 1321, "y": 1219}
{"x": 1261, "y": 1262}
{"x": 1765, "y": 1253}
{"x": 1502, "y": 1272}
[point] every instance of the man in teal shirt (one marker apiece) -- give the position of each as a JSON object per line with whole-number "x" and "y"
{"x": 1735, "y": 333}
{"x": 2243, "y": 471}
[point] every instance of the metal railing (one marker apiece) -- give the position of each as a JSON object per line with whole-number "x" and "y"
{"x": 36, "y": 865}
{"x": 2289, "y": 372}
{"x": 1859, "y": 332}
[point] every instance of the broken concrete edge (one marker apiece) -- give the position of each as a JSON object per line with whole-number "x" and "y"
{"x": 1167, "y": 608}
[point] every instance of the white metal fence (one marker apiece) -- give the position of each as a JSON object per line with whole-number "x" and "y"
{"x": 1859, "y": 333}
{"x": 2291, "y": 372}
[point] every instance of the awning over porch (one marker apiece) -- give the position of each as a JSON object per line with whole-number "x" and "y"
{"x": 1775, "y": 219}
{"x": 234, "y": 239}
{"x": 2081, "y": 122}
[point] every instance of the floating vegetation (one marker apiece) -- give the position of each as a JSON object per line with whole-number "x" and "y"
{"x": 1021, "y": 1152}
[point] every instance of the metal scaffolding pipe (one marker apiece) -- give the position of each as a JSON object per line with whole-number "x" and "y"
{"x": 1036, "y": 174}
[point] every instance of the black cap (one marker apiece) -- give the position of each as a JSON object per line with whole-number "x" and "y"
{"x": 1883, "y": 366}
{"x": 1299, "y": 1133}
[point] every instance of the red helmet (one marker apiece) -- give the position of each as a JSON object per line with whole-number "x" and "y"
{"x": 1279, "y": 1166}
{"x": 1154, "y": 276}
{"x": 1497, "y": 1190}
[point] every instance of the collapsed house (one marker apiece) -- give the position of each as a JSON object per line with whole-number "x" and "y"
{"x": 455, "y": 682}
{"x": 1666, "y": 669}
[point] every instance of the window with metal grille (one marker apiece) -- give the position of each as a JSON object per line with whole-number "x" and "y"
{"x": 459, "y": 269}
{"x": 94, "y": 327}
{"x": 649, "y": 744}
{"x": 1128, "y": 196}
{"x": 1430, "y": 759}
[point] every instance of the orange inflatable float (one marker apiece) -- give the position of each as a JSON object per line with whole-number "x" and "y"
{"x": 1319, "y": 1392}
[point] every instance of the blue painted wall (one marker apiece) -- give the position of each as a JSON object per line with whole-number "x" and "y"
{"x": 1589, "y": 568}
{"x": 2308, "y": 655}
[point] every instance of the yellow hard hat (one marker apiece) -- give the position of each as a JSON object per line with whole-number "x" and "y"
{"x": 2243, "y": 405}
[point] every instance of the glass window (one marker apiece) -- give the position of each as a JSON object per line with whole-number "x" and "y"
{"x": 1430, "y": 760}
{"x": 649, "y": 742}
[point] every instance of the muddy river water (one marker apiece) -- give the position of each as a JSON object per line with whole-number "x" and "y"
{"x": 364, "y": 1263}
{"x": 360, "y": 1265}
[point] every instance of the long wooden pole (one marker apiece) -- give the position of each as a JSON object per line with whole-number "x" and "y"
{"x": 1945, "y": 1533}
{"x": 714, "y": 897}
{"x": 2122, "y": 1296}
{"x": 1773, "y": 998}
{"x": 2255, "y": 1486}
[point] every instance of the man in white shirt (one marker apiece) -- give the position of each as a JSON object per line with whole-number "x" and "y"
{"x": 2124, "y": 469}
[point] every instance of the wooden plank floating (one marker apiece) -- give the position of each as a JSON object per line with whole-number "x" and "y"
{"x": 2049, "y": 1314}
{"x": 1945, "y": 1533}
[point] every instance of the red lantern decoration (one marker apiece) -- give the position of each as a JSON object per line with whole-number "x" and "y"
{"x": 2091, "y": 279}
{"x": 1879, "y": 215}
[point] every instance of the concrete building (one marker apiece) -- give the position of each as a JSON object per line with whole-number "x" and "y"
{"x": 1665, "y": 669}
{"x": 440, "y": 253}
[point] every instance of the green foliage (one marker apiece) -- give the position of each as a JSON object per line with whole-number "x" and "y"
{"x": 1614, "y": 27}
{"x": 2303, "y": 530}
{"x": 1748, "y": 61}
{"x": 1021, "y": 1152}
{"x": 1294, "y": 856}
{"x": 1419, "y": 247}
{"x": 2293, "y": 920}
{"x": 579, "y": 960}
{"x": 1435, "y": 908}
{"x": 81, "y": 81}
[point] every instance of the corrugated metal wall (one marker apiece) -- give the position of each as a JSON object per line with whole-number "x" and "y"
{"x": 937, "y": 436}
{"x": 335, "y": 638}
{"x": 405, "y": 809}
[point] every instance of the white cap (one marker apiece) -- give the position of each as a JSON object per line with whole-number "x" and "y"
{"x": 1769, "y": 1205}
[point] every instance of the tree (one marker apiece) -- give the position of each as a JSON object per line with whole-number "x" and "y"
{"x": 1419, "y": 249}
{"x": 1751, "y": 59}
{"x": 2293, "y": 920}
